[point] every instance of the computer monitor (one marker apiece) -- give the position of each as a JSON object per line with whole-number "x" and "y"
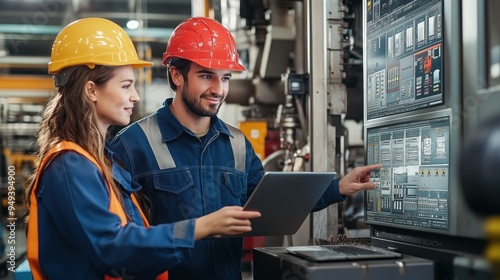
{"x": 413, "y": 185}
{"x": 404, "y": 56}
{"x": 415, "y": 122}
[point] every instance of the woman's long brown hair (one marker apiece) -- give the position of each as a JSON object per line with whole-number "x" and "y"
{"x": 70, "y": 115}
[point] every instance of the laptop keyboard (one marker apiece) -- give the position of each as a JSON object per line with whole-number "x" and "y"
{"x": 350, "y": 240}
{"x": 351, "y": 250}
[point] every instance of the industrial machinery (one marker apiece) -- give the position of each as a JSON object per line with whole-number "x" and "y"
{"x": 298, "y": 93}
{"x": 418, "y": 104}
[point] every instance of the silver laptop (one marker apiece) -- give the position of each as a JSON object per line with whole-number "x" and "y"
{"x": 285, "y": 199}
{"x": 321, "y": 253}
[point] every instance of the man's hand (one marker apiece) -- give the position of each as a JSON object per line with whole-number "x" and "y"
{"x": 358, "y": 179}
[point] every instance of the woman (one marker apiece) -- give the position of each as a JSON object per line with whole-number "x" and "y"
{"x": 84, "y": 222}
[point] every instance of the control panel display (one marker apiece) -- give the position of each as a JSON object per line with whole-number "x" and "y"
{"x": 404, "y": 56}
{"x": 413, "y": 185}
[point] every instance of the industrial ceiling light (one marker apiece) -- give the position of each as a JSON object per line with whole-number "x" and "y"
{"x": 135, "y": 9}
{"x": 133, "y": 24}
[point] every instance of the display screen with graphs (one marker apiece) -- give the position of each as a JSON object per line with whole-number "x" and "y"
{"x": 404, "y": 56}
{"x": 413, "y": 185}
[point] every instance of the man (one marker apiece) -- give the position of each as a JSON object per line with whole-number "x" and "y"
{"x": 189, "y": 162}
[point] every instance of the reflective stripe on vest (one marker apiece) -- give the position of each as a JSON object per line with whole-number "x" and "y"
{"x": 238, "y": 146}
{"x": 114, "y": 207}
{"x": 160, "y": 150}
{"x": 149, "y": 126}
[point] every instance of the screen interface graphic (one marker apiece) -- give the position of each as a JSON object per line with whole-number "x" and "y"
{"x": 413, "y": 185}
{"x": 404, "y": 56}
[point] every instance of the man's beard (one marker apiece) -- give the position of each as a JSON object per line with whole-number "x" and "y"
{"x": 194, "y": 105}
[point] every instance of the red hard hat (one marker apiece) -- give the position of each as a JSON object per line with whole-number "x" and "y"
{"x": 203, "y": 41}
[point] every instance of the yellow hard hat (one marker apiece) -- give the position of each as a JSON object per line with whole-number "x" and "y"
{"x": 91, "y": 42}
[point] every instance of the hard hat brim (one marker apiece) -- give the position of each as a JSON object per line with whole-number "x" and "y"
{"x": 54, "y": 68}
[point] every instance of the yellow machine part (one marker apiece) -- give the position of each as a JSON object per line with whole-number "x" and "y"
{"x": 256, "y": 132}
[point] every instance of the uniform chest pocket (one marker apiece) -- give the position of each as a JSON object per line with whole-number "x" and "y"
{"x": 235, "y": 183}
{"x": 174, "y": 182}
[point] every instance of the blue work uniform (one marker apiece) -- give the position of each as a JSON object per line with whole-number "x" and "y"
{"x": 186, "y": 177}
{"x": 79, "y": 238}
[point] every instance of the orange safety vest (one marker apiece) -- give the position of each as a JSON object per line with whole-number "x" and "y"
{"x": 114, "y": 207}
